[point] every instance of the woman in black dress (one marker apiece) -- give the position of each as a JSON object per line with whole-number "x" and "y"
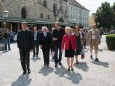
{"x": 69, "y": 44}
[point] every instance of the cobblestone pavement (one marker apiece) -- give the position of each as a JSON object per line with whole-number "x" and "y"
{"x": 87, "y": 73}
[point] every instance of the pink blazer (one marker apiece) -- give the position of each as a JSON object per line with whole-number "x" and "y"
{"x": 65, "y": 42}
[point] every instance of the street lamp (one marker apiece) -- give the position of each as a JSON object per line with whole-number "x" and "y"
{"x": 5, "y": 15}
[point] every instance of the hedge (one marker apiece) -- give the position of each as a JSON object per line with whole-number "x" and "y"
{"x": 110, "y": 40}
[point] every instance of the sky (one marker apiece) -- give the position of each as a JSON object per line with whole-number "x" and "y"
{"x": 93, "y": 5}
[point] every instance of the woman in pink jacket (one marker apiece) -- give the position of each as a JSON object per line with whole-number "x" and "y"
{"x": 69, "y": 44}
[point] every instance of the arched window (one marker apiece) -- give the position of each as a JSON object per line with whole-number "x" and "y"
{"x": 23, "y": 13}
{"x": 54, "y": 9}
{"x": 45, "y": 3}
{"x": 61, "y": 19}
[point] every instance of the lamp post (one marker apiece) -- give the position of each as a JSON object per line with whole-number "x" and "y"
{"x": 5, "y": 15}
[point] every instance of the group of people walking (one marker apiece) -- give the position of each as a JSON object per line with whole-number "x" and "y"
{"x": 63, "y": 39}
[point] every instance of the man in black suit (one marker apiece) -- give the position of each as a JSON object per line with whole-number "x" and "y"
{"x": 57, "y": 35}
{"x": 36, "y": 42}
{"x": 45, "y": 41}
{"x": 25, "y": 44}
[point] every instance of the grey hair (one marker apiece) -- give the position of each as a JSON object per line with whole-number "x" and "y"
{"x": 67, "y": 28}
{"x": 44, "y": 27}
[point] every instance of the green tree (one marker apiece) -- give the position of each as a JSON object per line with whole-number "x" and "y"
{"x": 105, "y": 16}
{"x": 113, "y": 8}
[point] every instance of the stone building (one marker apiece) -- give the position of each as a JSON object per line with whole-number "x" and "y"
{"x": 39, "y": 12}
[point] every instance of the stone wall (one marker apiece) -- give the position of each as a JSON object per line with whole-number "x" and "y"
{"x": 33, "y": 8}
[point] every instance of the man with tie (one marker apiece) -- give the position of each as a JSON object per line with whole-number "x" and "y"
{"x": 45, "y": 41}
{"x": 35, "y": 42}
{"x": 25, "y": 44}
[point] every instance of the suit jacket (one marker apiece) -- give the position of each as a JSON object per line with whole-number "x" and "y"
{"x": 45, "y": 41}
{"x": 25, "y": 40}
{"x": 59, "y": 35}
{"x": 66, "y": 40}
{"x": 97, "y": 34}
{"x": 37, "y": 37}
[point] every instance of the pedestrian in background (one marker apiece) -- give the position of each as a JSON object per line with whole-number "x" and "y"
{"x": 79, "y": 43}
{"x": 57, "y": 36}
{"x": 6, "y": 37}
{"x": 45, "y": 41}
{"x": 35, "y": 42}
{"x": 25, "y": 45}
{"x": 69, "y": 44}
{"x": 11, "y": 35}
{"x": 93, "y": 39}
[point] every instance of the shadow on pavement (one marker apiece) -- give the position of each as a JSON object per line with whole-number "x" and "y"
{"x": 112, "y": 50}
{"x": 83, "y": 66}
{"x": 46, "y": 70}
{"x": 3, "y": 52}
{"x": 35, "y": 59}
{"x": 22, "y": 81}
{"x": 63, "y": 72}
{"x": 105, "y": 64}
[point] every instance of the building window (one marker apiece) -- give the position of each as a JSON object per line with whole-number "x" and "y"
{"x": 45, "y": 3}
{"x": 41, "y": 15}
{"x": 23, "y": 13}
{"x": 48, "y": 16}
{"x": 71, "y": 16}
{"x": 61, "y": 19}
{"x": 71, "y": 8}
{"x": 79, "y": 18}
{"x": 76, "y": 17}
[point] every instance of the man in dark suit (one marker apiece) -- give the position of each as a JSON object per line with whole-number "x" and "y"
{"x": 25, "y": 44}
{"x": 57, "y": 35}
{"x": 36, "y": 42}
{"x": 45, "y": 41}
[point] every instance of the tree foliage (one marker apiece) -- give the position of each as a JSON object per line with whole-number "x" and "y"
{"x": 105, "y": 15}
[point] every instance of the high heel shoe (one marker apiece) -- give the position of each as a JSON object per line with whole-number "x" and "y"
{"x": 69, "y": 68}
{"x": 72, "y": 69}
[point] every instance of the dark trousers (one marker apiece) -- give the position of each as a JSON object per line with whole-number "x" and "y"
{"x": 25, "y": 59}
{"x": 58, "y": 60}
{"x": 35, "y": 48}
{"x": 46, "y": 51}
{"x": 7, "y": 42}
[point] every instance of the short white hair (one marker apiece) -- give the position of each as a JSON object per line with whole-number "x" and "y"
{"x": 67, "y": 28}
{"x": 44, "y": 27}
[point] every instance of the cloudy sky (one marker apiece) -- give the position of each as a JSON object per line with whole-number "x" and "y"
{"x": 92, "y": 5}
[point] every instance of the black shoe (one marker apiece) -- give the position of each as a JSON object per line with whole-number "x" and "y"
{"x": 68, "y": 69}
{"x": 47, "y": 65}
{"x": 44, "y": 64}
{"x": 91, "y": 57}
{"x": 77, "y": 62}
{"x": 29, "y": 71}
{"x": 24, "y": 73}
{"x": 72, "y": 69}
{"x": 97, "y": 59}
{"x": 56, "y": 66}
{"x": 60, "y": 63}
{"x": 36, "y": 55}
{"x": 33, "y": 55}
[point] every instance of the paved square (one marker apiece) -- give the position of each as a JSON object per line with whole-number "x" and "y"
{"x": 87, "y": 73}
